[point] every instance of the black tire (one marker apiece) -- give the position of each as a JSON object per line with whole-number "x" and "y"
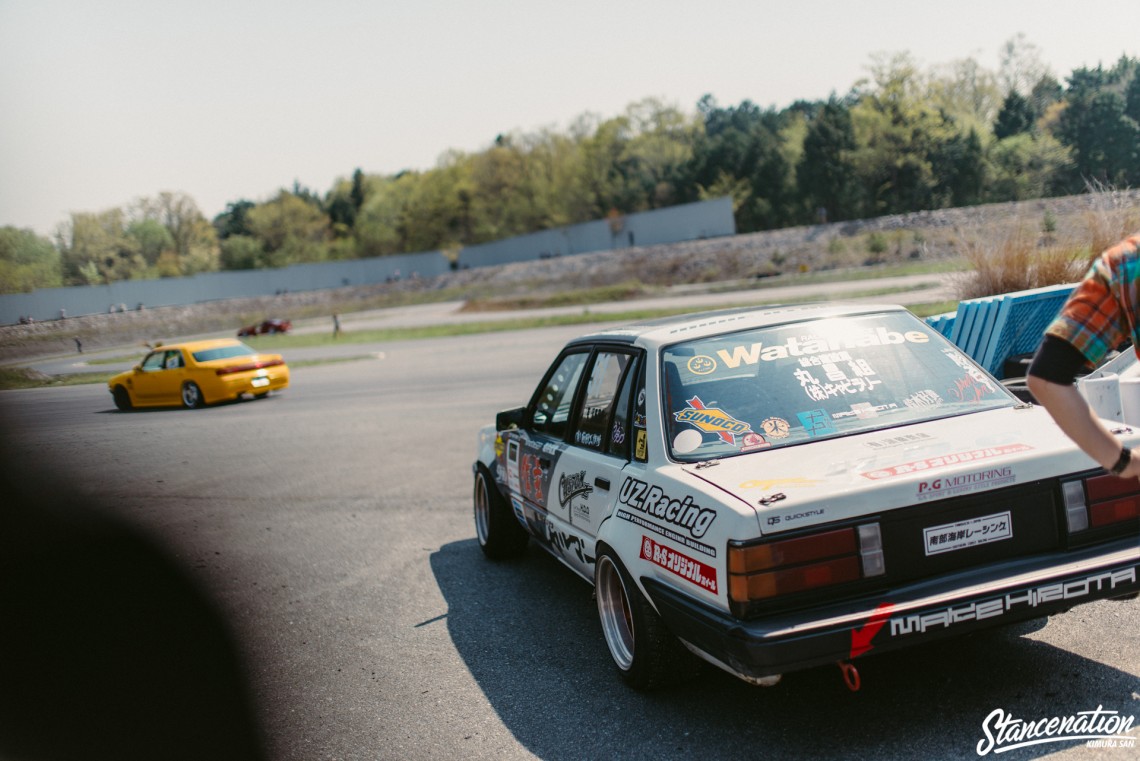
{"x": 122, "y": 399}
{"x": 498, "y": 531}
{"x": 261, "y": 395}
{"x": 191, "y": 395}
{"x": 647, "y": 655}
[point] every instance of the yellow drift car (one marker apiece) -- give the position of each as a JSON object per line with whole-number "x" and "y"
{"x": 196, "y": 373}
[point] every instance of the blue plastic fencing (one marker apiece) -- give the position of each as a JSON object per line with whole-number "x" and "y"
{"x": 995, "y": 328}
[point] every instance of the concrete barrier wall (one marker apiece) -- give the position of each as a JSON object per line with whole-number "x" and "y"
{"x": 212, "y": 286}
{"x": 707, "y": 219}
{"x": 694, "y": 221}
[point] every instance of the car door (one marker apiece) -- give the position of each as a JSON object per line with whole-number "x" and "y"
{"x": 145, "y": 381}
{"x": 587, "y": 476}
{"x": 160, "y": 379}
{"x": 532, "y": 451}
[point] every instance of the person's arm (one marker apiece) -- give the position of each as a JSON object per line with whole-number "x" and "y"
{"x": 1076, "y": 419}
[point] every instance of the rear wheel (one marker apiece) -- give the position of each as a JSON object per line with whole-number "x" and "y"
{"x": 122, "y": 398}
{"x": 647, "y": 654}
{"x": 499, "y": 533}
{"x": 191, "y": 395}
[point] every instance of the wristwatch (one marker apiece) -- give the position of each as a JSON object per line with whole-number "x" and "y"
{"x": 1121, "y": 462}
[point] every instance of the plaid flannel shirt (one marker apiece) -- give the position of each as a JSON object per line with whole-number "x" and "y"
{"x": 1102, "y": 312}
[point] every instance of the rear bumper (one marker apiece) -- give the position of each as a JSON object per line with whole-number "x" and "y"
{"x": 277, "y": 378}
{"x": 948, "y": 605}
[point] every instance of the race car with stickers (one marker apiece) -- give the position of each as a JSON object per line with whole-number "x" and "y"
{"x": 774, "y": 489}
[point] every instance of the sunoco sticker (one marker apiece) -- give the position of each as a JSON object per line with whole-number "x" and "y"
{"x": 971, "y": 533}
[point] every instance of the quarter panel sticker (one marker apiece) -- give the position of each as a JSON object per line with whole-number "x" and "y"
{"x": 679, "y": 564}
{"x": 652, "y": 500}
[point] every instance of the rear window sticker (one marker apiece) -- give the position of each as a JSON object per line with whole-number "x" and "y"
{"x": 921, "y": 399}
{"x": 816, "y": 422}
{"x": 687, "y": 441}
{"x": 712, "y": 420}
{"x": 776, "y": 427}
{"x": 753, "y": 441}
{"x": 701, "y": 365}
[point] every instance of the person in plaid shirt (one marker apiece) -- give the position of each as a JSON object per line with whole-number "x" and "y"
{"x": 1101, "y": 314}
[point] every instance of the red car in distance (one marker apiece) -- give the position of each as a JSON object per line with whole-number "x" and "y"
{"x": 266, "y": 327}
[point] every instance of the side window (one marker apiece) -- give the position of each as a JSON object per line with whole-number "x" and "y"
{"x": 552, "y": 408}
{"x": 173, "y": 359}
{"x": 621, "y": 431}
{"x": 596, "y": 416}
{"x": 153, "y": 361}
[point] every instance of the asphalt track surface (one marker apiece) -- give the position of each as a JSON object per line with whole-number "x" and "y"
{"x": 332, "y": 525}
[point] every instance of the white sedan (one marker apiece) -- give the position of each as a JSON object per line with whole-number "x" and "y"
{"x": 773, "y": 489}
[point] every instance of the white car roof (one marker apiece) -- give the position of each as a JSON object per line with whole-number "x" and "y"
{"x": 668, "y": 330}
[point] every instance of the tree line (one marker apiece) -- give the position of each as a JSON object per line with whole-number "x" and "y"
{"x": 904, "y": 139}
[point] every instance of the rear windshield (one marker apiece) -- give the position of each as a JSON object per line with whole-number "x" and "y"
{"x": 781, "y": 386}
{"x": 224, "y": 352}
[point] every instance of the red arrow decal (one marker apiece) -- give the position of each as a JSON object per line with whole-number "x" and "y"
{"x": 861, "y": 638}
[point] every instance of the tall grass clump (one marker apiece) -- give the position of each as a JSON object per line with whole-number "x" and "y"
{"x": 1018, "y": 257}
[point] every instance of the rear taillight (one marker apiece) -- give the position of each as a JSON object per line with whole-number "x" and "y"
{"x": 760, "y": 572}
{"x": 231, "y": 369}
{"x": 1100, "y": 501}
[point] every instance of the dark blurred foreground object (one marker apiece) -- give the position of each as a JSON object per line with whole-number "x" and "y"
{"x": 107, "y": 650}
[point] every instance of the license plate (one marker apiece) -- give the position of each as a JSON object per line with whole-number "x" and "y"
{"x": 259, "y": 382}
{"x": 971, "y": 533}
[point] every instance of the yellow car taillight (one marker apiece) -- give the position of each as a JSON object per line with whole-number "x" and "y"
{"x": 762, "y": 571}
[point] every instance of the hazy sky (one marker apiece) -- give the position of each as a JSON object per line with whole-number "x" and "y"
{"x": 105, "y": 102}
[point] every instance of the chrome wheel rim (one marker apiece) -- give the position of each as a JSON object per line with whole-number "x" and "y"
{"x": 614, "y": 612}
{"x": 190, "y": 395}
{"x": 482, "y": 508}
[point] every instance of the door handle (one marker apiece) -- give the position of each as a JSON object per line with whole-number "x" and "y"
{"x": 602, "y": 483}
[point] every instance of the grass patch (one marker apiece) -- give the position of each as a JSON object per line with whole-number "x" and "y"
{"x": 294, "y": 364}
{"x": 137, "y": 357}
{"x": 25, "y": 377}
{"x": 603, "y": 294}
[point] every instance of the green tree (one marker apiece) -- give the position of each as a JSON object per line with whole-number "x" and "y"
{"x": 1103, "y": 137}
{"x": 1016, "y": 116}
{"x": 381, "y": 226}
{"x": 153, "y": 239}
{"x": 742, "y": 149}
{"x": 232, "y": 221}
{"x": 242, "y": 252}
{"x": 1132, "y": 98}
{"x": 959, "y": 163}
{"x": 27, "y": 261}
{"x": 195, "y": 239}
{"x": 825, "y": 175}
{"x": 900, "y": 140}
{"x": 291, "y": 230}
{"x": 1028, "y": 166}
{"x": 95, "y": 249}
